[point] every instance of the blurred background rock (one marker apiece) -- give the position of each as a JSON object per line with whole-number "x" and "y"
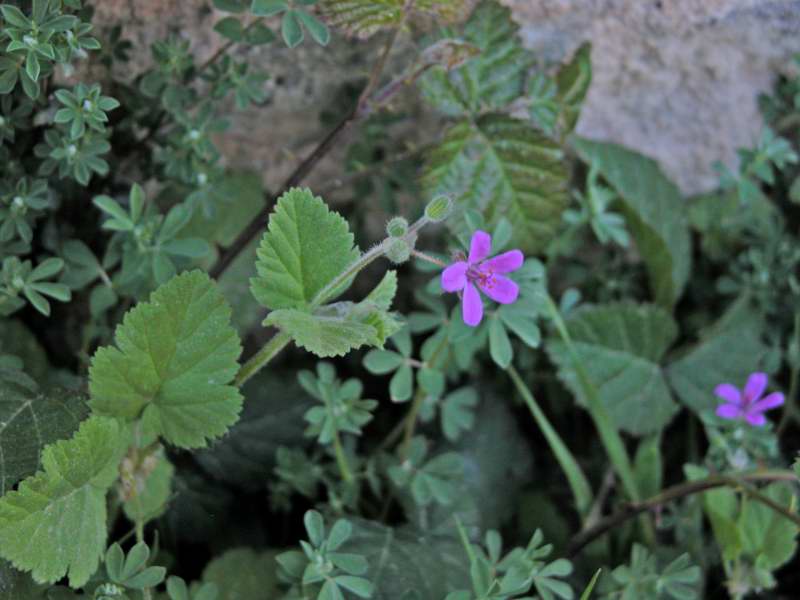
{"x": 677, "y": 80}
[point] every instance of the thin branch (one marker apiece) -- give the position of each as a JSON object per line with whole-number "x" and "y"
{"x": 682, "y": 490}
{"x": 361, "y": 108}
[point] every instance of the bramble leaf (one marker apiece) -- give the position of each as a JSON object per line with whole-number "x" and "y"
{"x": 55, "y": 523}
{"x": 174, "y": 358}
{"x": 502, "y": 167}
{"x": 29, "y": 421}
{"x": 655, "y": 213}
{"x": 490, "y": 80}
{"x": 305, "y": 247}
{"x": 573, "y": 81}
{"x": 362, "y": 18}
{"x": 620, "y": 346}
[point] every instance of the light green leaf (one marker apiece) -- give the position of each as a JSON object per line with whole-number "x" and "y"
{"x": 172, "y": 365}
{"x": 322, "y": 335}
{"x": 499, "y": 344}
{"x": 380, "y": 362}
{"x": 401, "y": 386}
{"x": 29, "y": 421}
{"x": 490, "y": 80}
{"x": 720, "y": 505}
{"x": 767, "y": 535}
{"x": 620, "y": 346}
{"x": 290, "y": 29}
{"x": 335, "y": 329}
{"x": 503, "y": 168}
{"x": 654, "y": 211}
{"x": 727, "y": 353}
{"x": 648, "y": 466}
{"x": 383, "y": 294}
{"x": 231, "y": 28}
{"x": 243, "y": 574}
{"x": 317, "y": 29}
{"x": 55, "y": 523}
{"x": 305, "y": 247}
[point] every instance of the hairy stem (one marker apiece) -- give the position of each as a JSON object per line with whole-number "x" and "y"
{"x": 428, "y": 258}
{"x": 581, "y": 490}
{"x": 261, "y": 358}
{"x": 279, "y": 341}
{"x": 682, "y": 490}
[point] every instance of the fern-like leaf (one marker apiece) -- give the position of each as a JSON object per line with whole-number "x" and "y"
{"x": 502, "y": 167}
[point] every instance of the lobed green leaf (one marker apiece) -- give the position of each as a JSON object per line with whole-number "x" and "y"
{"x": 172, "y": 365}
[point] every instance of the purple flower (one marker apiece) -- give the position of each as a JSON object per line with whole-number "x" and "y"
{"x": 747, "y": 404}
{"x": 463, "y": 276}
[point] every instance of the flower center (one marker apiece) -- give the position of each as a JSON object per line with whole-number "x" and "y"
{"x": 480, "y": 275}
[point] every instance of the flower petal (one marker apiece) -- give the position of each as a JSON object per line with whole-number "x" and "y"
{"x": 769, "y": 402}
{"x": 728, "y": 411}
{"x": 471, "y": 306}
{"x": 454, "y": 277}
{"x": 479, "y": 246}
{"x": 505, "y": 262}
{"x": 756, "y": 418}
{"x": 729, "y": 393}
{"x": 756, "y": 384}
{"x": 500, "y": 289}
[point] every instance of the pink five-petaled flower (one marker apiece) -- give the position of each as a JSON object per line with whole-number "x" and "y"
{"x": 747, "y": 404}
{"x": 463, "y": 276}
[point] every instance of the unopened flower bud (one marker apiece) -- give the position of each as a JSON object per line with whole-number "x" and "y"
{"x": 438, "y": 209}
{"x": 399, "y": 251}
{"x": 397, "y": 227}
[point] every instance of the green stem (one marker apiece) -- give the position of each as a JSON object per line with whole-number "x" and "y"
{"x": 260, "y": 359}
{"x": 333, "y": 286}
{"x": 581, "y": 490}
{"x": 341, "y": 458}
{"x": 609, "y": 436}
{"x": 612, "y": 441}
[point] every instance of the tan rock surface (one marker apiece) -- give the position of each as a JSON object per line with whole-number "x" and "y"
{"x": 675, "y": 79}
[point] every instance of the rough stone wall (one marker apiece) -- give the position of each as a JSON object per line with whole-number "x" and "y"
{"x": 270, "y": 139}
{"x": 675, "y": 79}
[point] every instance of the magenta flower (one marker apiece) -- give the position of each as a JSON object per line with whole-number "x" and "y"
{"x": 747, "y": 404}
{"x": 463, "y": 276}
